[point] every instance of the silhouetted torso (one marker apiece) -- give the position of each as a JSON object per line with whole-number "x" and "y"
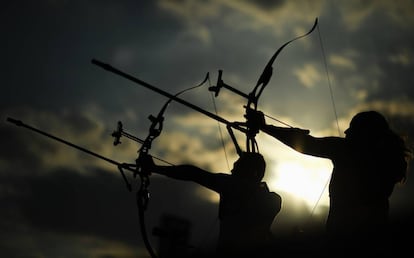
{"x": 246, "y": 209}
{"x": 359, "y": 192}
{"x": 246, "y": 214}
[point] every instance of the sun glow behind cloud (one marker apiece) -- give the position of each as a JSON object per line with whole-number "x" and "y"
{"x": 303, "y": 177}
{"x": 305, "y": 180}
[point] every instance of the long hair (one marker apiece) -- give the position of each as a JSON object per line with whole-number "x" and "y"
{"x": 370, "y": 127}
{"x": 395, "y": 146}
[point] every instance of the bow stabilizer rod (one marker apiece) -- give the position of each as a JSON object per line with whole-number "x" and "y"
{"x": 20, "y": 123}
{"x": 113, "y": 162}
{"x": 168, "y": 95}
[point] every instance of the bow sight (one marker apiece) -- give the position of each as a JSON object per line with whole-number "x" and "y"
{"x": 120, "y": 132}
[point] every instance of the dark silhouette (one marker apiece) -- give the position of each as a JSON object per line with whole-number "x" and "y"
{"x": 247, "y": 208}
{"x": 174, "y": 234}
{"x": 367, "y": 164}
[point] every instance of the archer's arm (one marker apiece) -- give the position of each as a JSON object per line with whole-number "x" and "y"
{"x": 182, "y": 172}
{"x": 185, "y": 173}
{"x": 293, "y": 137}
{"x": 296, "y": 138}
{"x": 301, "y": 141}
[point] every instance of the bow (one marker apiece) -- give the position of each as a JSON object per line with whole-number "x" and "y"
{"x": 142, "y": 195}
{"x": 253, "y": 97}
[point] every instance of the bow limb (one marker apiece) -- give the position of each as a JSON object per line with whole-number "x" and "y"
{"x": 251, "y": 144}
{"x": 157, "y": 122}
{"x": 268, "y": 70}
{"x": 162, "y": 111}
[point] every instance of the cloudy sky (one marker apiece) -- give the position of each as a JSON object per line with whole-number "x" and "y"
{"x": 59, "y": 202}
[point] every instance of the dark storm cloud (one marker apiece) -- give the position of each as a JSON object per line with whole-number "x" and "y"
{"x": 65, "y": 203}
{"x": 385, "y": 79}
{"x": 41, "y": 152}
{"x": 51, "y": 46}
{"x": 266, "y": 4}
{"x": 97, "y": 204}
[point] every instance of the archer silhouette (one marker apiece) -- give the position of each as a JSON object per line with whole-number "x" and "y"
{"x": 367, "y": 164}
{"x": 247, "y": 208}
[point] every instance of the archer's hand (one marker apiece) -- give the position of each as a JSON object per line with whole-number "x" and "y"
{"x": 255, "y": 119}
{"x": 147, "y": 163}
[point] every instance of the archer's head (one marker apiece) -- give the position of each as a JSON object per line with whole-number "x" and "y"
{"x": 367, "y": 124}
{"x": 250, "y": 165}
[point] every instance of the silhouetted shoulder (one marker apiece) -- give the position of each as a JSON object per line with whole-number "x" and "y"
{"x": 267, "y": 202}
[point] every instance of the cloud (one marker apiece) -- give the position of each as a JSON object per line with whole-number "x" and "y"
{"x": 89, "y": 213}
{"x": 192, "y": 13}
{"x": 402, "y": 108}
{"x": 29, "y": 151}
{"x": 355, "y": 12}
{"x": 67, "y": 213}
{"x": 276, "y": 14}
{"x": 124, "y": 55}
{"x": 241, "y": 15}
{"x": 342, "y": 61}
{"x": 400, "y": 13}
{"x": 308, "y": 75}
{"x": 403, "y": 57}
{"x": 198, "y": 142}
